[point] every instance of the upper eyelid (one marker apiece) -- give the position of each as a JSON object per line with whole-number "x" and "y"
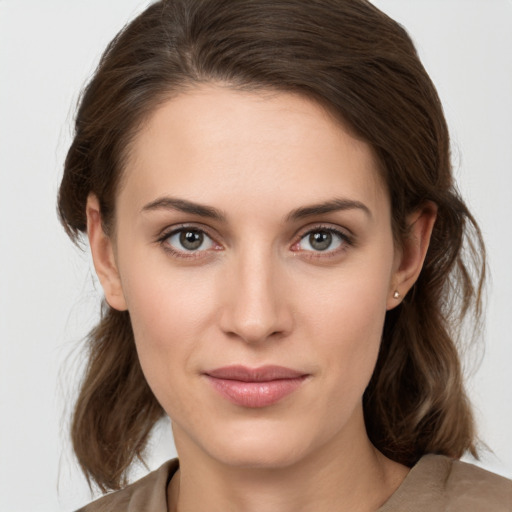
{"x": 344, "y": 232}
{"x": 172, "y": 230}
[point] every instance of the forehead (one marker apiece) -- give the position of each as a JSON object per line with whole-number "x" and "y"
{"x": 266, "y": 150}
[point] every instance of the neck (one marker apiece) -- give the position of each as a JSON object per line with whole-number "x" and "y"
{"x": 359, "y": 479}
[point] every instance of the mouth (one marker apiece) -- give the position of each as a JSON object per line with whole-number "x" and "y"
{"x": 255, "y": 387}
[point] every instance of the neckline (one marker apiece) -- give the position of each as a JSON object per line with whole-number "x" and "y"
{"x": 429, "y": 464}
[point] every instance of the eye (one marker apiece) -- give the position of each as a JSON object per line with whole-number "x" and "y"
{"x": 322, "y": 240}
{"x": 188, "y": 240}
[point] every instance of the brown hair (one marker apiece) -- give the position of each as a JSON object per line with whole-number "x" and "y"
{"x": 360, "y": 64}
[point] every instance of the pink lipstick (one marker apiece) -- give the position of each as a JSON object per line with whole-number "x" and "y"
{"x": 255, "y": 387}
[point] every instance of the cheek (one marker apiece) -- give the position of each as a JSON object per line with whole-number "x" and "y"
{"x": 351, "y": 346}
{"x": 164, "y": 301}
{"x": 168, "y": 312}
{"x": 346, "y": 320}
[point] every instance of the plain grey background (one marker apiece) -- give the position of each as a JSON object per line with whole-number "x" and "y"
{"x": 48, "y": 295}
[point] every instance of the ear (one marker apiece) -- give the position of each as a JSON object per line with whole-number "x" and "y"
{"x": 410, "y": 257}
{"x": 103, "y": 256}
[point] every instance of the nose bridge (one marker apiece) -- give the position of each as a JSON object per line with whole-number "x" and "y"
{"x": 256, "y": 307}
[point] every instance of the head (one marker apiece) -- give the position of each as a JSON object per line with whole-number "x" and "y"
{"x": 349, "y": 76}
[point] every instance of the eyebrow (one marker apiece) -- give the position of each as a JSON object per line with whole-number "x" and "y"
{"x": 185, "y": 206}
{"x": 182, "y": 205}
{"x": 333, "y": 205}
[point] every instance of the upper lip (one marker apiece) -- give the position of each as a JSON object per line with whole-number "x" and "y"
{"x": 260, "y": 374}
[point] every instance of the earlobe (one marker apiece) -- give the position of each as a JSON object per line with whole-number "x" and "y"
{"x": 411, "y": 256}
{"x": 103, "y": 256}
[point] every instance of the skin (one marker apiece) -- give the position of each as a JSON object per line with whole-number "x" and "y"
{"x": 258, "y": 292}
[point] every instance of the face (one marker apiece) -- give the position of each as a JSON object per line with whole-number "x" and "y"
{"x": 256, "y": 258}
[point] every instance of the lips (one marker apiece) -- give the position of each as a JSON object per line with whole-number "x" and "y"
{"x": 255, "y": 387}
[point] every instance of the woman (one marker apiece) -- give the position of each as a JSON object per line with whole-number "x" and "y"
{"x": 267, "y": 193}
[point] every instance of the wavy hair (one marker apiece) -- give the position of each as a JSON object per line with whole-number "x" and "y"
{"x": 362, "y": 66}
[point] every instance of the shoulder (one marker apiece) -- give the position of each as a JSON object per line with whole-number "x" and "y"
{"x": 473, "y": 488}
{"x": 149, "y": 494}
{"x": 441, "y": 484}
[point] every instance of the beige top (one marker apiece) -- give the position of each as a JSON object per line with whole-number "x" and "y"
{"x": 435, "y": 484}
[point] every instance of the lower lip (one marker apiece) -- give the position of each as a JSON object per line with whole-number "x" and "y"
{"x": 255, "y": 394}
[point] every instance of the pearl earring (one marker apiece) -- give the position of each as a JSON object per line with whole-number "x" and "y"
{"x": 396, "y": 295}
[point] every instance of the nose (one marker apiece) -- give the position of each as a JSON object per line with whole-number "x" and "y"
{"x": 255, "y": 303}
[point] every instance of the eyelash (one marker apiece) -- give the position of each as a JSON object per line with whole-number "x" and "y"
{"x": 162, "y": 239}
{"x": 346, "y": 241}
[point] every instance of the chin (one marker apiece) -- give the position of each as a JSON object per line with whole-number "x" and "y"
{"x": 257, "y": 455}
{"x": 260, "y": 445}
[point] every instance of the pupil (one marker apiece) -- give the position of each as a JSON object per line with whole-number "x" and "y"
{"x": 321, "y": 240}
{"x": 191, "y": 240}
